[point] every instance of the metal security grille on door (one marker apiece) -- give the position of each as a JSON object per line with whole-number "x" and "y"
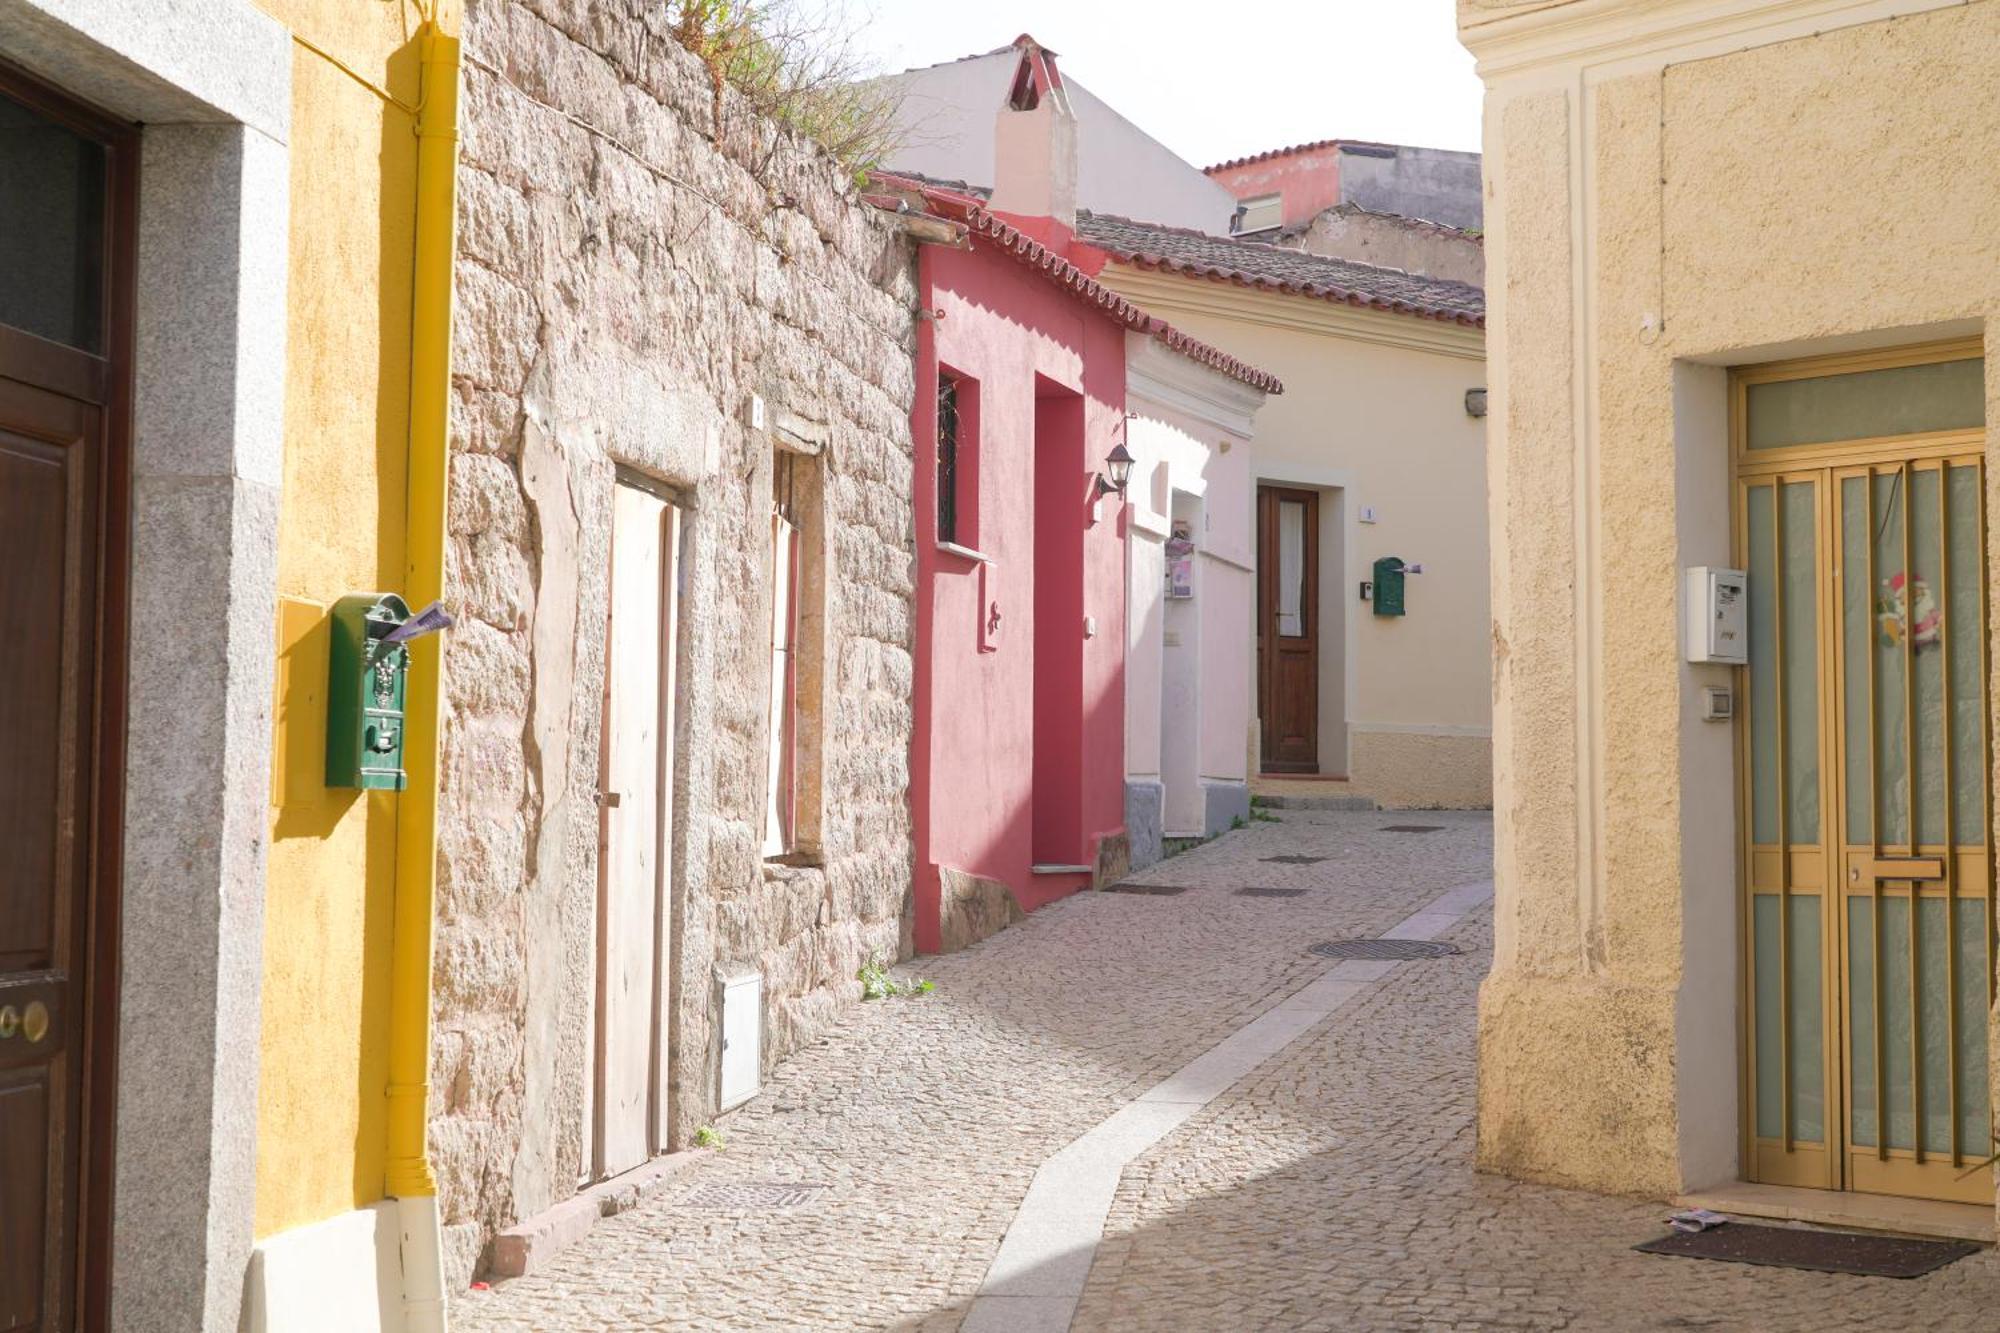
{"x": 1868, "y": 870}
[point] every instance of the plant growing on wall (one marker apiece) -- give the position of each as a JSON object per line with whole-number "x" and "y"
{"x": 877, "y": 984}
{"x": 794, "y": 63}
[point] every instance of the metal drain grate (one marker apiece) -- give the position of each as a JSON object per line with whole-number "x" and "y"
{"x": 1155, "y": 890}
{"x": 1409, "y": 828}
{"x": 751, "y": 1195}
{"x": 1294, "y": 859}
{"x": 1268, "y": 893}
{"x": 1384, "y": 950}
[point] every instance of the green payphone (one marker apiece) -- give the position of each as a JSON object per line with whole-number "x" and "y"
{"x": 366, "y": 673}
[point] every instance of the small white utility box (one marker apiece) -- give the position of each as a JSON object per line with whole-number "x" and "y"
{"x": 1717, "y": 609}
{"x": 740, "y": 992}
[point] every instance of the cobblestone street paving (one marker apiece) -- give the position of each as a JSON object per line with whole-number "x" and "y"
{"x": 1330, "y": 1189}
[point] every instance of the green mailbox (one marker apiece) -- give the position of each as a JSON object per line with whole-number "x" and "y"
{"x": 364, "y": 691}
{"x": 1389, "y": 586}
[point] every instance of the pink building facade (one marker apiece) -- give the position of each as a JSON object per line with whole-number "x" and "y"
{"x": 1018, "y": 769}
{"x": 1018, "y": 776}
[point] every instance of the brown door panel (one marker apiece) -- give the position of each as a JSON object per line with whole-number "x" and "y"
{"x": 26, "y": 1220}
{"x": 1288, "y": 646}
{"x": 36, "y": 594}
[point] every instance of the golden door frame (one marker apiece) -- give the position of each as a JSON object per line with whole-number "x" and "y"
{"x": 1838, "y": 1164}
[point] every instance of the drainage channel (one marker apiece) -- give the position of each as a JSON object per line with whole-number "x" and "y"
{"x": 1037, "y": 1278}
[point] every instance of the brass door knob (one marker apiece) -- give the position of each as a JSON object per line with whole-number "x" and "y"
{"x": 10, "y": 1021}
{"x": 35, "y": 1021}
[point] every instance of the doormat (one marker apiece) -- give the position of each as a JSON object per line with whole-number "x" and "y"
{"x": 1816, "y": 1251}
{"x": 1259, "y": 892}
{"x": 1155, "y": 890}
{"x": 1294, "y": 859}
{"x": 1409, "y": 828}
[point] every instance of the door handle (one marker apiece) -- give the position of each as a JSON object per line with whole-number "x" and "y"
{"x": 610, "y": 800}
{"x": 1896, "y": 867}
{"x": 31, "y": 1022}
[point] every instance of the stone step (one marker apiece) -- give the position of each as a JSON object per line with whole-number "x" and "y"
{"x": 1362, "y": 803}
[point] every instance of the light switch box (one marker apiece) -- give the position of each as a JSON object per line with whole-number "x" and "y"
{"x": 1717, "y": 611}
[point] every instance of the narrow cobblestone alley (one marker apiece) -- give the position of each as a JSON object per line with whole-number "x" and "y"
{"x": 1330, "y": 1187}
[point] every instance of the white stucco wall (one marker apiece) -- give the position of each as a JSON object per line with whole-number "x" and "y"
{"x": 945, "y": 123}
{"x": 1189, "y": 428}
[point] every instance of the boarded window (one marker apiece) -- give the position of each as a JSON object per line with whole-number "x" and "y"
{"x": 780, "y": 811}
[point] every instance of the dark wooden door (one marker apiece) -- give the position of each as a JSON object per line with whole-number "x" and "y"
{"x": 1288, "y": 628}
{"x": 65, "y": 229}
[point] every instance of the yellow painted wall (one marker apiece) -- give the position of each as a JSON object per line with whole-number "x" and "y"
{"x": 1665, "y": 200}
{"x": 331, "y": 881}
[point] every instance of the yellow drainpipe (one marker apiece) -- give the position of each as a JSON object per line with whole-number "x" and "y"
{"x": 408, "y": 1173}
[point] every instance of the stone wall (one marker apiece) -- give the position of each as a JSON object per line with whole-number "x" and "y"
{"x": 1387, "y": 240}
{"x": 635, "y": 262}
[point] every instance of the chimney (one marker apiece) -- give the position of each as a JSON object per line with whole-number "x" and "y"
{"x": 1034, "y": 146}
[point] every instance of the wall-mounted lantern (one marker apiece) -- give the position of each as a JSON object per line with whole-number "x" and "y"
{"x": 1119, "y": 464}
{"x": 1475, "y": 402}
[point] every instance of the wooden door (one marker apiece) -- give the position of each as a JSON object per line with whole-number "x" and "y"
{"x": 65, "y": 200}
{"x": 1288, "y": 628}
{"x": 629, "y": 1099}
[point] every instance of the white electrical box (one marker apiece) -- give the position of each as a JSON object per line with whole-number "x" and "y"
{"x": 1717, "y": 609}
{"x": 742, "y": 1002}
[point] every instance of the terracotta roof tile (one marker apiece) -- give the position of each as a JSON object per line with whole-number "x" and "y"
{"x": 1272, "y": 268}
{"x": 1011, "y": 240}
{"x": 1277, "y": 153}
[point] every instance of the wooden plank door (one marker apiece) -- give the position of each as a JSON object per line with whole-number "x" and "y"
{"x": 48, "y": 552}
{"x": 628, "y": 1097}
{"x": 65, "y": 339}
{"x": 1288, "y": 628}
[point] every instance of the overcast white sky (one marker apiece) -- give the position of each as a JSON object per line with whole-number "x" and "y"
{"x": 1215, "y": 79}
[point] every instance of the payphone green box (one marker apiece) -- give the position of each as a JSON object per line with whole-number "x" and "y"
{"x": 1389, "y": 586}
{"x": 364, "y": 689}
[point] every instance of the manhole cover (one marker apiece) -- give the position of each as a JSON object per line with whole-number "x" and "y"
{"x": 751, "y": 1195}
{"x": 1268, "y": 893}
{"x": 1389, "y": 950}
{"x": 1294, "y": 859}
{"x": 1156, "y": 890}
{"x": 1409, "y": 828}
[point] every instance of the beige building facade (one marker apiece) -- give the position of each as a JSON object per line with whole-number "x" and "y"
{"x": 1371, "y": 454}
{"x": 1756, "y": 948}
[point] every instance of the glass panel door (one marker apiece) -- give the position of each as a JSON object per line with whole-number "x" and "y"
{"x": 1917, "y": 929}
{"x": 1790, "y": 1073}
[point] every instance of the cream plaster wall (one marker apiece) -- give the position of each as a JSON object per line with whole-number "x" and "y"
{"x": 1373, "y": 414}
{"x": 1625, "y": 264}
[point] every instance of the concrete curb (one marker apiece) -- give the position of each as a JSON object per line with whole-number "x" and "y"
{"x": 530, "y": 1245}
